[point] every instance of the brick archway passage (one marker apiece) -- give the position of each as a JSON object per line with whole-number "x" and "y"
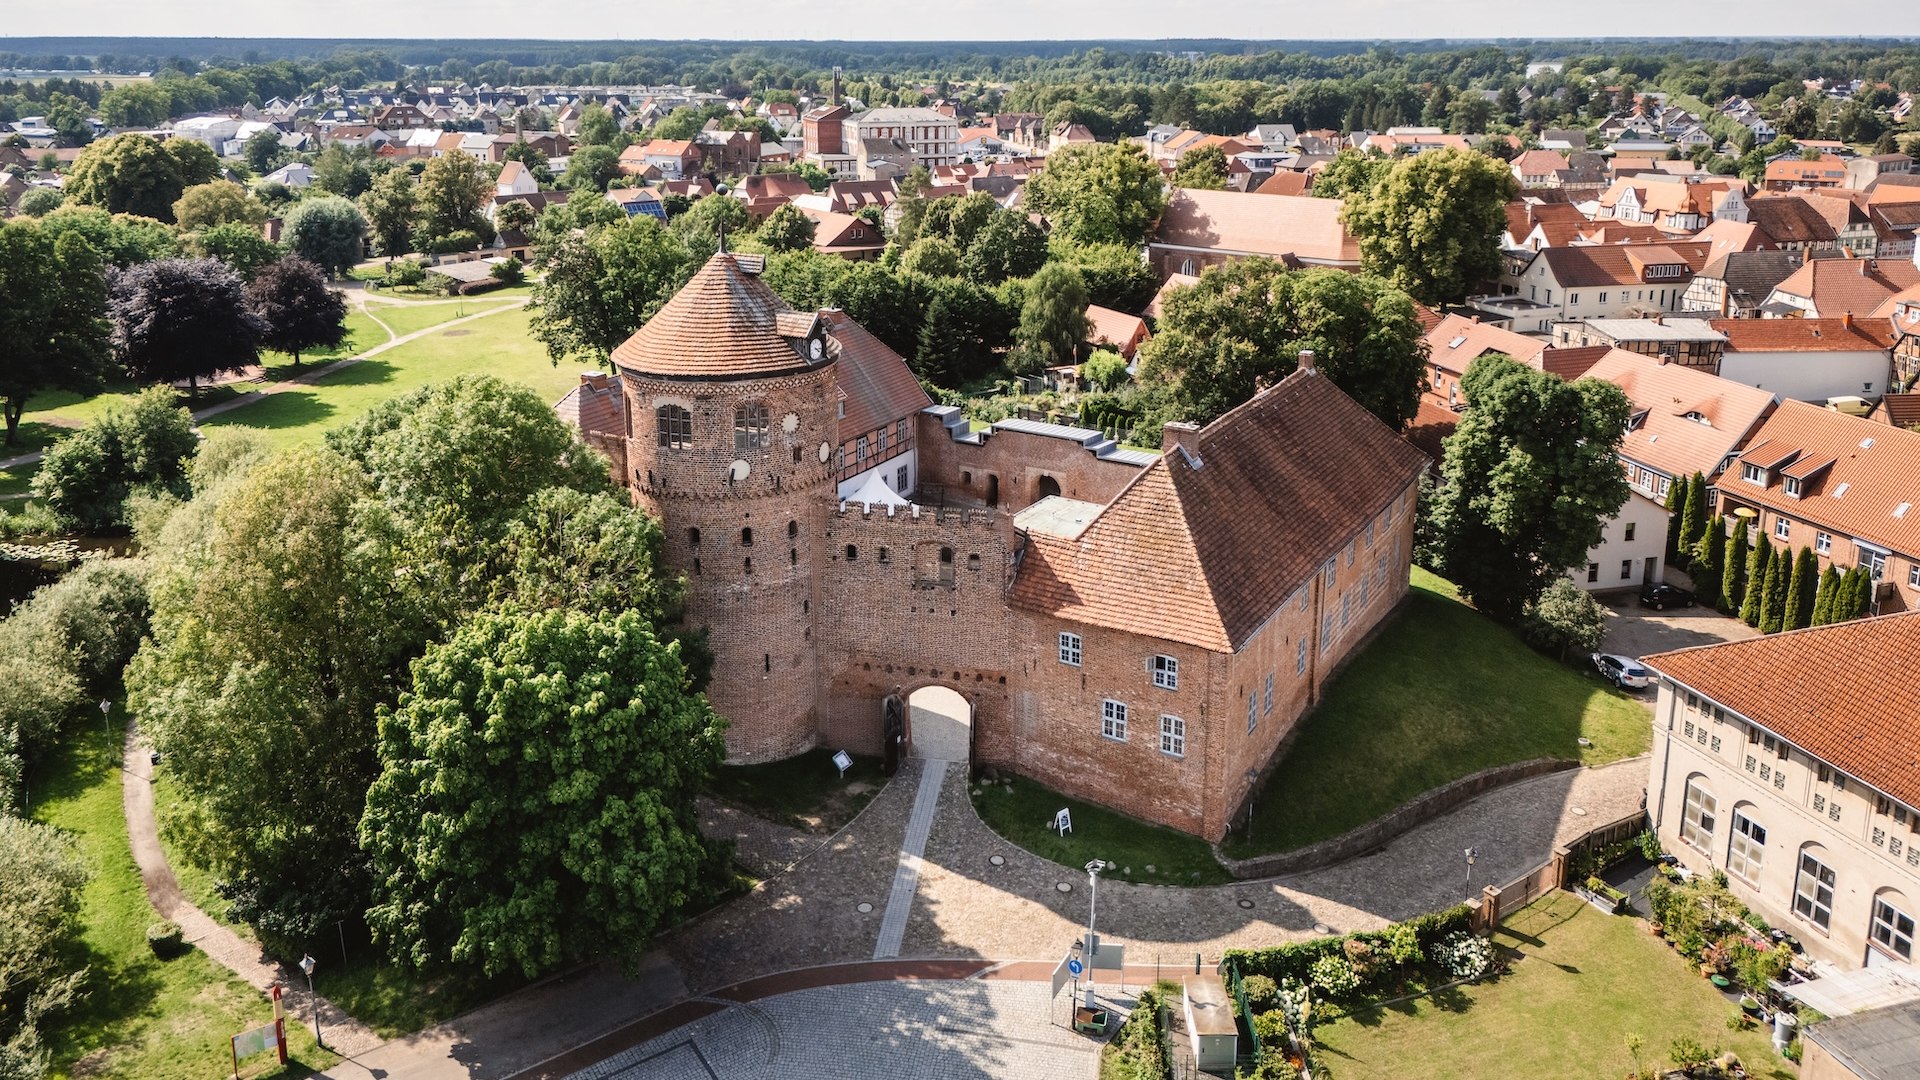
{"x": 941, "y": 724}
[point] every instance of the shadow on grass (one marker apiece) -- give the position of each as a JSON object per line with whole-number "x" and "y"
{"x": 802, "y": 792}
{"x": 1021, "y": 811}
{"x": 302, "y": 407}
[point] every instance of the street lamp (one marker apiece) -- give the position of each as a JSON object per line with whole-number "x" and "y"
{"x": 306, "y": 968}
{"x": 1093, "y": 906}
{"x": 106, "y": 724}
{"x": 1471, "y": 856}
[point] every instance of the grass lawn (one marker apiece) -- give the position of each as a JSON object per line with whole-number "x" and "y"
{"x": 1021, "y": 810}
{"x": 1442, "y": 692}
{"x": 499, "y": 345}
{"x": 1585, "y": 982}
{"x": 142, "y": 1016}
{"x": 406, "y": 318}
{"x": 803, "y": 792}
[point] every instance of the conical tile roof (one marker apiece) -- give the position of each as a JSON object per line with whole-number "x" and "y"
{"x": 723, "y": 324}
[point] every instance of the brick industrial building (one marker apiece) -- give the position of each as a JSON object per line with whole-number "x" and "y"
{"x": 1140, "y": 630}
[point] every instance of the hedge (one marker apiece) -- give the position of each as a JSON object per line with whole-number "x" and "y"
{"x": 1139, "y": 1050}
{"x": 1295, "y": 960}
{"x": 166, "y": 940}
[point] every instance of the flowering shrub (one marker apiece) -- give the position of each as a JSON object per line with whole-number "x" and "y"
{"x": 1335, "y": 975}
{"x": 1464, "y": 956}
{"x": 1295, "y": 1003}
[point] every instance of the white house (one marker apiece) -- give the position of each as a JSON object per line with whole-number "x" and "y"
{"x": 1809, "y": 359}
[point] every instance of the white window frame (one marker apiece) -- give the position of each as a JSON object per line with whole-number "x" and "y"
{"x": 1166, "y": 671}
{"x": 1699, "y": 815}
{"x": 1070, "y": 649}
{"x": 1813, "y": 889}
{"x": 1113, "y": 720}
{"x": 1823, "y": 543}
{"x": 1782, "y": 528}
{"x": 1746, "y": 849}
{"x": 1267, "y": 701}
{"x": 1173, "y": 736}
{"x": 1300, "y": 658}
{"x": 1891, "y": 930}
{"x": 1253, "y": 711}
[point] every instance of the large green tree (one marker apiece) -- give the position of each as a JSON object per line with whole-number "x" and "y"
{"x": 1432, "y": 224}
{"x": 1693, "y": 516}
{"x": 1102, "y": 193}
{"x": 242, "y": 247}
{"x": 1009, "y": 245}
{"x": 1351, "y": 173}
{"x": 966, "y": 331}
{"x": 141, "y": 447}
{"x": 327, "y": 231}
{"x": 120, "y": 239}
{"x": 1823, "y": 596}
{"x": 42, "y": 874}
{"x": 454, "y": 189}
{"x": 1205, "y": 168}
{"x": 1708, "y": 562}
{"x": 599, "y": 127}
{"x": 1248, "y": 322}
{"x": 53, "y": 328}
{"x": 590, "y": 169}
{"x": 390, "y": 209}
{"x": 1053, "y": 320}
{"x": 131, "y": 174}
{"x": 786, "y": 229}
{"x": 535, "y": 803}
{"x": 1757, "y": 563}
{"x": 1528, "y": 480}
{"x": 205, "y": 205}
{"x": 603, "y": 285}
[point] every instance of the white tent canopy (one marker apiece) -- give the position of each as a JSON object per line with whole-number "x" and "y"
{"x": 875, "y": 492}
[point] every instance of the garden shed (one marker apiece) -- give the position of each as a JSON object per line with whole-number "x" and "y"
{"x": 1210, "y": 1025}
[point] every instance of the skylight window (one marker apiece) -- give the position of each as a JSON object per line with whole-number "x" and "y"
{"x": 1901, "y": 510}
{"x": 1841, "y": 490}
{"x": 1457, "y": 342}
{"x": 1866, "y": 443}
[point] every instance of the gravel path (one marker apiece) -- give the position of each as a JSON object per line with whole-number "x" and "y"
{"x": 344, "y": 1035}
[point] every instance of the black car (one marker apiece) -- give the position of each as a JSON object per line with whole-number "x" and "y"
{"x": 1662, "y": 596}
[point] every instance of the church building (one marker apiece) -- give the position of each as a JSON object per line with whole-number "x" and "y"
{"x": 1139, "y": 630}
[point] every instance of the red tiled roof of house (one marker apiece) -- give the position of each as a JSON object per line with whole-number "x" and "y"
{"x": 1903, "y": 308}
{"x": 1575, "y": 362}
{"x": 595, "y": 406}
{"x": 1524, "y": 214}
{"x": 1789, "y": 219}
{"x": 875, "y": 384}
{"x": 722, "y": 324}
{"x": 1430, "y": 427}
{"x": 1427, "y": 317}
{"x": 1292, "y": 473}
{"x": 1602, "y": 265}
{"x": 1804, "y": 335}
{"x": 1862, "y": 495}
{"x": 1828, "y": 169}
{"x": 1842, "y": 693}
{"x": 1849, "y": 286}
{"x": 835, "y": 233}
{"x": 1899, "y": 410}
{"x": 1693, "y": 419}
{"x": 1457, "y": 341}
{"x": 1106, "y": 326}
{"x": 669, "y": 148}
{"x": 1157, "y": 306}
{"x": 1727, "y": 236}
{"x": 1539, "y": 163}
{"x": 1285, "y": 183}
{"x": 1272, "y": 225}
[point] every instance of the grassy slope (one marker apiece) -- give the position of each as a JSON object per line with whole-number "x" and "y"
{"x": 804, "y": 792}
{"x": 498, "y": 345}
{"x": 142, "y": 1017}
{"x": 1441, "y": 693}
{"x": 406, "y": 318}
{"x": 1022, "y": 812}
{"x": 1587, "y": 981}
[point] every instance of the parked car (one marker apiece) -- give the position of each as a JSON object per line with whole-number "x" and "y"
{"x": 1622, "y": 671}
{"x": 1661, "y": 596}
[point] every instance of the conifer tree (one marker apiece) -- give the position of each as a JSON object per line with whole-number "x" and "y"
{"x": 1801, "y": 590}
{"x": 1707, "y": 566}
{"x": 1693, "y": 519}
{"x": 1823, "y": 597}
{"x": 1676, "y": 503}
{"x": 1733, "y": 577}
{"x": 1773, "y": 599}
{"x": 1756, "y": 582}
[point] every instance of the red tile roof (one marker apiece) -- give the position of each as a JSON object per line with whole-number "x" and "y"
{"x": 1842, "y": 693}
{"x": 1245, "y": 223}
{"x": 595, "y": 406}
{"x": 1804, "y": 335}
{"x": 1575, "y": 362}
{"x": 720, "y": 325}
{"x": 1849, "y": 286}
{"x": 875, "y": 384}
{"x": 1458, "y": 341}
{"x": 1692, "y": 420}
{"x": 1293, "y": 474}
{"x": 1862, "y": 495}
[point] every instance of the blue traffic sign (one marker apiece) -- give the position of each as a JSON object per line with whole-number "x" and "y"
{"x": 1074, "y": 968}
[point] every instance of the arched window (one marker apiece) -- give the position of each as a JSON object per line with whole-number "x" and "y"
{"x": 1813, "y": 883}
{"x": 1699, "y": 816}
{"x": 676, "y": 427}
{"x": 1046, "y": 486}
{"x": 750, "y": 429}
{"x": 1892, "y": 928}
{"x": 793, "y": 529}
{"x": 1186, "y": 266}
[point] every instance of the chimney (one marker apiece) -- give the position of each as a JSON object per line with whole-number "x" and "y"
{"x": 1306, "y": 362}
{"x": 1659, "y": 319}
{"x": 1666, "y": 358}
{"x": 1185, "y": 436}
{"x": 1726, "y": 299}
{"x": 596, "y": 380}
{"x": 1846, "y": 320}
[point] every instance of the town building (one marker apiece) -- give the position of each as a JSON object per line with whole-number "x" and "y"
{"x": 932, "y": 138}
{"x": 1561, "y": 284}
{"x": 1839, "y": 484}
{"x": 1813, "y": 360}
{"x": 1792, "y": 763}
{"x": 1211, "y": 228}
{"x": 1830, "y": 288}
{"x": 1683, "y": 421}
{"x": 1735, "y": 284}
{"x": 1140, "y": 630}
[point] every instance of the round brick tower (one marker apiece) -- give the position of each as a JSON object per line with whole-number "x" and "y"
{"x": 731, "y": 402}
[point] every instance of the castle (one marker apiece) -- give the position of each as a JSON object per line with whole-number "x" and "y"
{"x": 1140, "y": 630}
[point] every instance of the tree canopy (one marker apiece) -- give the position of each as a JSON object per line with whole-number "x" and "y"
{"x": 182, "y": 319}
{"x": 1205, "y": 168}
{"x": 1432, "y": 223}
{"x": 326, "y": 230}
{"x": 390, "y": 206}
{"x": 296, "y": 308}
{"x": 1101, "y": 193}
{"x": 535, "y": 798}
{"x": 53, "y": 327}
{"x": 205, "y": 205}
{"x": 139, "y": 448}
{"x": 602, "y": 286}
{"x": 454, "y": 189}
{"x": 1053, "y": 320}
{"x": 1248, "y": 321}
{"x": 1529, "y": 480}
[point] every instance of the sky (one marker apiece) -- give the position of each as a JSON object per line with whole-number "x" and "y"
{"x": 950, "y": 20}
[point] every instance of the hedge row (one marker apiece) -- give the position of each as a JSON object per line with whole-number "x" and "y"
{"x": 1295, "y": 960}
{"x": 1139, "y": 1050}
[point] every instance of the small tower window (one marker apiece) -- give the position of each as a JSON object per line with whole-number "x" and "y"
{"x": 696, "y": 568}
{"x": 750, "y": 429}
{"x": 746, "y": 537}
{"x": 676, "y": 427}
{"x": 693, "y": 537}
{"x": 747, "y": 564}
{"x": 852, "y": 553}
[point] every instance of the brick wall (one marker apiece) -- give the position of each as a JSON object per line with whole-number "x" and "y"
{"x": 1011, "y": 467}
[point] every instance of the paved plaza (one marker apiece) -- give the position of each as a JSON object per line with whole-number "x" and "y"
{"x": 929, "y": 1030}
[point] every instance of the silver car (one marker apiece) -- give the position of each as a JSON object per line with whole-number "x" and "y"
{"x": 1622, "y": 671}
